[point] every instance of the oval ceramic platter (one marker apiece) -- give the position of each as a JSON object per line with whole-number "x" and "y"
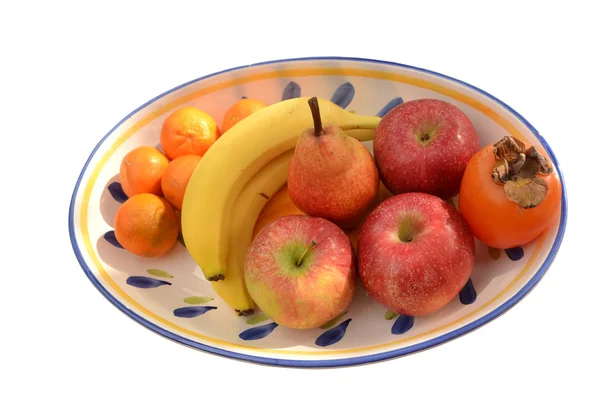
{"x": 170, "y": 296}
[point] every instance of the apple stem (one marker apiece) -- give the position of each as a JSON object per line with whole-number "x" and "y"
{"x": 314, "y": 109}
{"x": 301, "y": 259}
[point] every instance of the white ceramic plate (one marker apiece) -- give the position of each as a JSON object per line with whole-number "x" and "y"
{"x": 366, "y": 333}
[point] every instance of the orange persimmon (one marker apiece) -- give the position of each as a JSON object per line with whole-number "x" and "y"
{"x": 509, "y": 193}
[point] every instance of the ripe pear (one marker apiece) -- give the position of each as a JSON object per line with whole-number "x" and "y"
{"x": 331, "y": 174}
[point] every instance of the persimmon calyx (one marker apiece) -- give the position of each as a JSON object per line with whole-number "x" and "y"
{"x": 518, "y": 169}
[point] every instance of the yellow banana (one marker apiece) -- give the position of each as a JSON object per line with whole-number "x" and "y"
{"x": 231, "y": 162}
{"x": 245, "y": 212}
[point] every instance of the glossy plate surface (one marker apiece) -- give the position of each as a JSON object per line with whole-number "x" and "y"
{"x": 169, "y": 294}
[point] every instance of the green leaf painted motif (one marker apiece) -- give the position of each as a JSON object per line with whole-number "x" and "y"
{"x": 258, "y": 318}
{"x": 197, "y": 299}
{"x": 494, "y": 253}
{"x": 389, "y": 314}
{"x": 159, "y": 272}
{"x": 334, "y": 321}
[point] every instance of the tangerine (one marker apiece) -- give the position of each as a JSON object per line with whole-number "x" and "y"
{"x": 146, "y": 225}
{"x": 188, "y": 131}
{"x": 240, "y": 110}
{"x": 176, "y": 177}
{"x": 142, "y": 170}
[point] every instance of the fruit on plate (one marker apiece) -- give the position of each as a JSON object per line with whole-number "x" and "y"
{"x": 234, "y": 159}
{"x": 353, "y": 233}
{"x": 278, "y": 206}
{"x": 240, "y": 110}
{"x": 424, "y": 146}
{"x": 146, "y": 225}
{"x": 301, "y": 271}
{"x": 415, "y": 253}
{"x": 188, "y": 130}
{"x": 281, "y": 205}
{"x": 332, "y": 175}
{"x": 247, "y": 208}
{"x": 509, "y": 194}
{"x": 176, "y": 177}
{"x": 142, "y": 170}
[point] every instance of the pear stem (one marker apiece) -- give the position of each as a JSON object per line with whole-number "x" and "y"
{"x": 314, "y": 109}
{"x": 301, "y": 259}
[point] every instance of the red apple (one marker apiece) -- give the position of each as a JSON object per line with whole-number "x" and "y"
{"x": 424, "y": 146}
{"x": 301, "y": 271}
{"x": 415, "y": 253}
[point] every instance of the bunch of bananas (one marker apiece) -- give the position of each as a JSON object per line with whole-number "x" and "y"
{"x": 234, "y": 181}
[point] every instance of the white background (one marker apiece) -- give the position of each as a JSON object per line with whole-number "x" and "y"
{"x": 70, "y": 72}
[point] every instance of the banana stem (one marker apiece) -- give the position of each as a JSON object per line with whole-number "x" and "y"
{"x": 314, "y": 109}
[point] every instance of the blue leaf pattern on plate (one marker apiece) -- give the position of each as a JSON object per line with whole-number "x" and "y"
{"x": 333, "y": 335}
{"x": 291, "y": 91}
{"x": 116, "y": 191}
{"x": 393, "y": 103}
{"x": 191, "y": 312}
{"x": 144, "y": 282}
{"x": 403, "y": 324}
{"x": 343, "y": 95}
{"x": 112, "y": 239}
{"x": 259, "y": 332}
{"x": 468, "y": 295}
{"x": 515, "y": 253}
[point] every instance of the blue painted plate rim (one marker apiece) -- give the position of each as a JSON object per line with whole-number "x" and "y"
{"x": 341, "y": 362}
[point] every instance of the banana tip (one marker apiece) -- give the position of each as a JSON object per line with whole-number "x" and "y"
{"x": 215, "y": 278}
